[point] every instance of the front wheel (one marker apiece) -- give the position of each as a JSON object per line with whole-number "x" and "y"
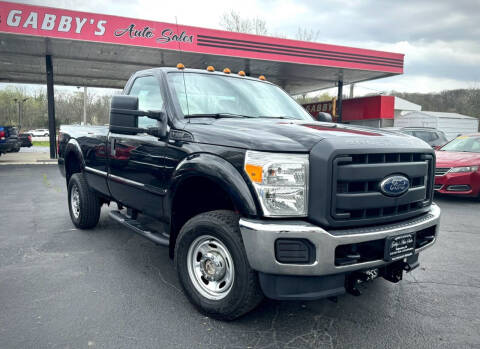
{"x": 83, "y": 203}
{"x": 213, "y": 268}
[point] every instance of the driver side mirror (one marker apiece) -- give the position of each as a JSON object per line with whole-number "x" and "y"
{"x": 124, "y": 115}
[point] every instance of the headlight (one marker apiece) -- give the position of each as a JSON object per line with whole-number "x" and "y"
{"x": 281, "y": 182}
{"x": 463, "y": 169}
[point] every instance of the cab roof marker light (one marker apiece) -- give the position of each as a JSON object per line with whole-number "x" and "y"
{"x": 226, "y": 71}
{"x": 180, "y": 66}
{"x": 262, "y": 77}
{"x": 241, "y": 73}
{"x": 210, "y": 68}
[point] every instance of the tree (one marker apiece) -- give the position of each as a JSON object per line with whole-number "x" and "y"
{"x": 68, "y": 108}
{"x": 305, "y": 34}
{"x": 463, "y": 101}
{"x": 321, "y": 97}
{"x": 232, "y": 21}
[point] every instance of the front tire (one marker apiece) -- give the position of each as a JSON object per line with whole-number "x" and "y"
{"x": 83, "y": 203}
{"x": 213, "y": 268}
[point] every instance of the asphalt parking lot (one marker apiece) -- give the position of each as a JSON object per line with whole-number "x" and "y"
{"x": 109, "y": 288}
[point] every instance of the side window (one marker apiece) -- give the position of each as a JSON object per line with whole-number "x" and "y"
{"x": 147, "y": 89}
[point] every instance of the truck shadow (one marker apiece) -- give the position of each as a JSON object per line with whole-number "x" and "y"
{"x": 273, "y": 324}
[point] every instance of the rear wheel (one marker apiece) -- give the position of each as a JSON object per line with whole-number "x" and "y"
{"x": 213, "y": 268}
{"x": 83, "y": 203}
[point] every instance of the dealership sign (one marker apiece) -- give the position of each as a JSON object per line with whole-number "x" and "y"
{"x": 73, "y": 25}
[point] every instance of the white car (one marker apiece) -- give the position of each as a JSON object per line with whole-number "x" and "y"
{"x": 39, "y": 132}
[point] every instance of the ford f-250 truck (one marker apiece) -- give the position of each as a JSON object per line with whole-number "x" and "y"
{"x": 257, "y": 199}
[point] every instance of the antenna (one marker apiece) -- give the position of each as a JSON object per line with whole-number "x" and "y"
{"x": 183, "y": 72}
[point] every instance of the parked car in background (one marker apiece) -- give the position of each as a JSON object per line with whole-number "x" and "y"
{"x": 432, "y": 136}
{"x": 39, "y": 132}
{"x": 9, "y": 141}
{"x": 25, "y": 140}
{"x": 457, "y": 169}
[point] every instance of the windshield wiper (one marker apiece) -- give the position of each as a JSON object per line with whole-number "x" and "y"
{"x": 216, "y": 115}
{"x": 276, "y": 117}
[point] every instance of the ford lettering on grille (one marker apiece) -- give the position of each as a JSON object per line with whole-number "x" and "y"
{"x": 394, "y": 185}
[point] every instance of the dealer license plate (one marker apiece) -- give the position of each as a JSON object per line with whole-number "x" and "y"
{"x": 398, "y": 247}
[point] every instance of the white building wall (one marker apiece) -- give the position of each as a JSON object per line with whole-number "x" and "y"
{"x": 447, "y": 122}
{"x": 453, "y": 127}
{"x": 415, "y": 120}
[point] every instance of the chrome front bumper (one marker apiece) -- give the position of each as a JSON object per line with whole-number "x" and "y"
{"x": 259, "y": 239}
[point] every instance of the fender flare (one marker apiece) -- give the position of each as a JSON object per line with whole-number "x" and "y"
{"x": 219, "y": 171}
{"x": 73, "y": 147}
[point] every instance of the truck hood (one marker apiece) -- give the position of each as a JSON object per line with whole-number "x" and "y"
{"x": 457, "y": 159}
{"x": 287, "y": 135}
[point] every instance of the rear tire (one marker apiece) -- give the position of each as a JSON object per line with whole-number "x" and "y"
{"x": 210, "y": 246}
{"x": 83, "y": 203}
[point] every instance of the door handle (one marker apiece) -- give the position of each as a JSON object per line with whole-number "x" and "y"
{"x": 112, "y": 147}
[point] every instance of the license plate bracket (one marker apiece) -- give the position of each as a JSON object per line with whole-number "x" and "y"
{"x": 398, "y": 247}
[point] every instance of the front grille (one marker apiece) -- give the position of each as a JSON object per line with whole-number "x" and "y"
{"x": 437, "y": 186}
{"x": 440, "y": 171}
{"x": 356, "y": 195}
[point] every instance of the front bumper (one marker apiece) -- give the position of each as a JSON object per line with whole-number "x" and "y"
{"x": 259, "y": 238}
{"x": 465, "y": 184}
{"x": 5, "y": 147}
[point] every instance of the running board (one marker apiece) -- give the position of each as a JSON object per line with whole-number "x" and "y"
{"x": 137, "y": 227}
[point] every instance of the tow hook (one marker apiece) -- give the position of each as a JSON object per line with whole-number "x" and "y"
{"x": 359, "y": 277}
{"x": 394, "y": 271}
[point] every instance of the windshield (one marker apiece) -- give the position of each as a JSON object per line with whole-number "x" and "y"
{"x": 212, "y": 94}
{"x": 463, "y": 143}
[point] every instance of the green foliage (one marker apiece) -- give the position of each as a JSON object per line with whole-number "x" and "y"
{"x": 463, "y": 101}
{"x": 68, "y": 108}
{"x": 41, "y": 143}
{"x": 323, "y": 97}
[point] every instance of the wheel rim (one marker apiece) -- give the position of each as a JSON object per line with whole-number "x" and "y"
{"x": 75, "y": 201}
{"x": 210, "y": 267}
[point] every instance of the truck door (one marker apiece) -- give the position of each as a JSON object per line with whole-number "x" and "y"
{"x": 136, "y": 161}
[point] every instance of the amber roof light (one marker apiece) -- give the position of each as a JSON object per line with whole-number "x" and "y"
{"x": 180, "y": 66}
{"x": 226, "y": 71}
{"x": 210, "y": 68}
{"x": 241, "y": 73}
{"x": 262, "y": 77}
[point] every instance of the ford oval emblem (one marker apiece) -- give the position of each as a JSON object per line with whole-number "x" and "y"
{"x": 394, "y": 185}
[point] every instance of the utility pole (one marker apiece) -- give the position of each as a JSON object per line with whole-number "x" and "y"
{"x": 85, "y": 105}
{"x": 20, "y": 103}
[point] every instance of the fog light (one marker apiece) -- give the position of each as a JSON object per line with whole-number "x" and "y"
{"x": 459, "y": 187}
{"x": 294, "y": 251}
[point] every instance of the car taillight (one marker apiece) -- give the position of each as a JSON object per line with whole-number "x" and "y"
{"x": 29, "y": 138}
{"x": 2, "y": 135}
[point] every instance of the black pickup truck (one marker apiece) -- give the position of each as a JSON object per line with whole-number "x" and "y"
{"x": 255, "y": 197}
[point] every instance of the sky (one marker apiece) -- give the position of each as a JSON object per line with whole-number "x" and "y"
{"x": 440, "y": 38}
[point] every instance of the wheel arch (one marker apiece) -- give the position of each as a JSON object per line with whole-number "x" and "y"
{"x": 204, "y": 182}
{"x": 74, "y": 161}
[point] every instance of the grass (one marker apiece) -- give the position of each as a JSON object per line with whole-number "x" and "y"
{"x": 41, "y": 143}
